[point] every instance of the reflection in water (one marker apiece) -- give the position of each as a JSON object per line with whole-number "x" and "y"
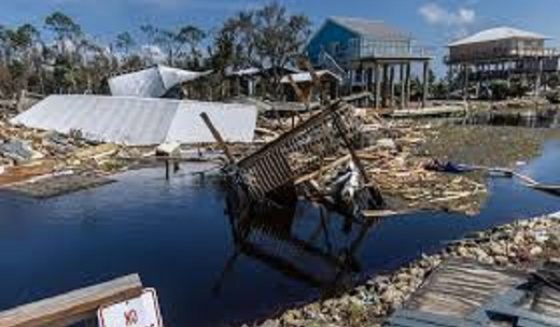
{"x": 267, "y": 233}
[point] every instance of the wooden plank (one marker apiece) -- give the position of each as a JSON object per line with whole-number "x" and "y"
{"x": 217, "y": 137}
{"x": 72, "y": 307}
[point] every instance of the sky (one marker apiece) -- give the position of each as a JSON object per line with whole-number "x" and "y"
{"x": 432, "y": 22}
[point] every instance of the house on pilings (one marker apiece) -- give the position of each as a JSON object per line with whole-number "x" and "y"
{"x": 501, "y": 53}
{"x": 370, "y": 55}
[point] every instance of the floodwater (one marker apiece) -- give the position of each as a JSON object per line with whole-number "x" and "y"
{"x": 533, "y": 118}
{"x": 211, "y": 269}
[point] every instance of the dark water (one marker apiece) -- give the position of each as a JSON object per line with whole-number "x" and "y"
{"x": 210, "y": 269}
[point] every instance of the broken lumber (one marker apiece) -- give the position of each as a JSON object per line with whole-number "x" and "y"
{"x": 72, "y": 307}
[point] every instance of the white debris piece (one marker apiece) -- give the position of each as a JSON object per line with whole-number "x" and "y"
{"x": 140, "y": 121}
{"x": 153, "y": 82}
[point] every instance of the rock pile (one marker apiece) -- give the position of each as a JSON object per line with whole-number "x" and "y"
{"x": 519, "y": 245}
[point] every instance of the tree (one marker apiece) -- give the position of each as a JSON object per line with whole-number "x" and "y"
{"x": 23, "y": 58}
{"x": 63, "y": 26}
{"x": 265, "y": 38}
{"x": 173, "y": 42}
{"x": 125, "y": 42}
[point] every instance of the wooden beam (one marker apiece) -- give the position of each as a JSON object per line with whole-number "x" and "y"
{"x": 217, "y": 137}
{"x": 72, "y": 307}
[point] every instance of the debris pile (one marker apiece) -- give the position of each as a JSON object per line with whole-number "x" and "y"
{"x": 521, "y": 244}
{"x": 392, "y": 163}
{"x": 29, "y": 155}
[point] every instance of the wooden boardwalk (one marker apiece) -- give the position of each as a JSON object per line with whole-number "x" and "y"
{"x": 459, "y": 288}
{"x": 468, "y": 294}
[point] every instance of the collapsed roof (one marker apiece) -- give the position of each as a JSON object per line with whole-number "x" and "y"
{"x": 498, "y": 33}
{"x": 140, "y": 121}
{"x": 153, "y": 82}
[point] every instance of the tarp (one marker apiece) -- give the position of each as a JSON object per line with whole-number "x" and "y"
{"x": 140, "y": 121}
{"x": 153, "y": 82}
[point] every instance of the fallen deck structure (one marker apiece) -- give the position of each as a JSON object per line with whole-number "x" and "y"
{"x": 465, "y": 293}
{"x": 139, "y": 121}
{"x": 303, "y": 150}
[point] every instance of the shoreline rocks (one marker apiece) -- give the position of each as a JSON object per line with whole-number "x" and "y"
{"x": 520, "y": 244}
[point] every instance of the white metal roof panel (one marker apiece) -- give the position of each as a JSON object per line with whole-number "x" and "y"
{"x": 139, "y": 121}
{"x": 498, "y": 33}
{"x": 153, "y": 82}
{"x": 173, "y": 76}
{"x": 145, "y": 83}
{"x": 129, "y": 121}
{"x": 235, "y": 122}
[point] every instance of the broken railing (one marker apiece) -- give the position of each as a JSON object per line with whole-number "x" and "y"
{"x": 303, "y": 150}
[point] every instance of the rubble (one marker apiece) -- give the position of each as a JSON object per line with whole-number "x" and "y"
{"x": 519, "y": 245}
{"x": 394, "y": 165}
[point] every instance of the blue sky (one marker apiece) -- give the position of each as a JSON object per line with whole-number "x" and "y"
{"x": 432, "y": 22}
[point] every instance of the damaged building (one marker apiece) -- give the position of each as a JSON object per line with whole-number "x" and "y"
{"x": 501, "y": 53}
{"x": 369, "y": 54}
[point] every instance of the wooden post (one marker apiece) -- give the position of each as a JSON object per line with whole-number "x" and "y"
{"x": 407, "y": 82}
{"x": 385, "y": 96}
{"x": 377, "y": 86}
{"x": 391, "y": 86}
{"x": 538, "y": 79}
{"x": 167, "y": 169}
{"x": 425, "y": 82}
{"x": 73, "y": 307}
{"x": 465, "y": 82}
{"x": 369, "y": 79}
{"x": 401, "y": 76}
{"x": 217, "y": 137}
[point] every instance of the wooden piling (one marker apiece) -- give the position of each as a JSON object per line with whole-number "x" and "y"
{"x": 402, "y": 80}
{"x": 425, "y": 82}
{"x": 377, "y": 86}
{"x": 391, "y": 86}
{"x": 407, "y": 82}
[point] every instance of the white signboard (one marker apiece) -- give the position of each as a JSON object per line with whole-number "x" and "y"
{"x": 142, "y": 311}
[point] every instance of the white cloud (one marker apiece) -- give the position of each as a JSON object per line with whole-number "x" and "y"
{"x": 436, "y": 15}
